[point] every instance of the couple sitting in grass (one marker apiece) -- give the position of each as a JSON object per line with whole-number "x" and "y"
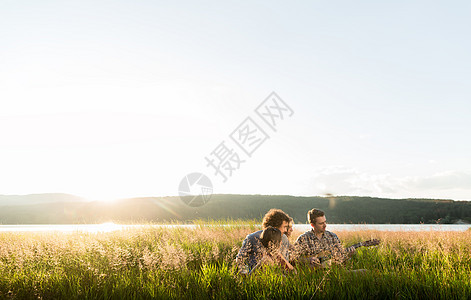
{"x": 269, "y": 245}
{"x": 316, "y": 247}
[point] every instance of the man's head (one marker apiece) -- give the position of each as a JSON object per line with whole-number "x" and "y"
{"x": 276, "y": 218}
{"x": 317, "y": 219}
{"x": 271, "y": 239}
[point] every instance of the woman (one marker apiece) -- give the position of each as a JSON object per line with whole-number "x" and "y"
{"x": 270, "y": 238}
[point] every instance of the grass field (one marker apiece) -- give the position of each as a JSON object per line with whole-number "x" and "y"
{"x": 178, "y": 263}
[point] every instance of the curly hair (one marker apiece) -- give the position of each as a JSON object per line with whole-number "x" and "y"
{"x": 313, "y": 214}
{"x": 274, "y": 218}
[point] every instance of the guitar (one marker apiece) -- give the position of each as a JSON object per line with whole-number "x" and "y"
{"x": 368, "y": 243}
{"x": 325, "y": 257}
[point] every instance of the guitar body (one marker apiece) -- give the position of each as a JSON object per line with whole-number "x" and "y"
{"x": 325, "y": 257}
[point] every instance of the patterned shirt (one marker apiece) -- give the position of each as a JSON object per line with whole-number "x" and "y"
{"x": 308, "y": 245}
{"x": 251, "y": 251}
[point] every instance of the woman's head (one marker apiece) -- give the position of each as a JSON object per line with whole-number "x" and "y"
{"x": 271, "y": 239}
{"x": 290, "y": 227}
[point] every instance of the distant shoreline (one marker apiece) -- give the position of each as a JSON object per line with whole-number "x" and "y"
{"x": 68, "y": 209}
{"x": 109, "y": 227}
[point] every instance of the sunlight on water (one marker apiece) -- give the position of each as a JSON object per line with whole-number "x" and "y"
{"x": 93, "y": 228}
{"x": 389, "y": 227}
{"x": 110, "y": 227}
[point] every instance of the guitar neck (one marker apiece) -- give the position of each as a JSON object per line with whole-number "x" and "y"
{"x": 362, "y": 244}
{"x": 353, "y": 247}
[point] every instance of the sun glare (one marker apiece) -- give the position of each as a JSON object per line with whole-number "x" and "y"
{"x": 101, "y": 198}
{"x": 107, "y": 200}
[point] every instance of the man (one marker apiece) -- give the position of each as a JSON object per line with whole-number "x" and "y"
{"x": 318, "y": 243}
{"x": 251, "y": 251}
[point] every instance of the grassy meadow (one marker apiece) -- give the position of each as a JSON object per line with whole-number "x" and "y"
{"x": 179, "y": 263}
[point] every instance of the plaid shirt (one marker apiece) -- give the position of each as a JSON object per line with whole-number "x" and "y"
{"x": 308, "y": 244}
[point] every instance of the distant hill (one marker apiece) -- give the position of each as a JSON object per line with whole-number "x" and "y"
{"x": 64, "y": 209}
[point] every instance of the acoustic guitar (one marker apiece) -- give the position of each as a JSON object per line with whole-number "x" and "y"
{"x": 325, "y": 257}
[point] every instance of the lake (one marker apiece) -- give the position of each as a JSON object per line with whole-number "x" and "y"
{"x": 389, "y": 227}
{"x": 109, "y": 227}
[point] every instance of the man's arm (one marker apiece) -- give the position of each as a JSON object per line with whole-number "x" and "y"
{"x": 284, "y": 247}
{"x": 244, "y": 250}
{"x": 342, "y": 254}
{"x": 301, "y": 253}
{"x": 285, "y": 264}
{"x": 243, "y": 255}
{"x": 350, "y": 251}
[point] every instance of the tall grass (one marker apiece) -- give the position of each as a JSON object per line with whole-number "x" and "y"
{"x": 178, "y": 263}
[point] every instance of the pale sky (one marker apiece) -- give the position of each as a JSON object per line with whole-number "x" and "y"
{"x": 113, "y": 99}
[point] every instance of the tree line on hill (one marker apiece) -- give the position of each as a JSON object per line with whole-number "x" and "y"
{"x": 340, "y": 210}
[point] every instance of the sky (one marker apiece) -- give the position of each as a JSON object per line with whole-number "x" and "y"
{"x": 116, "y": 99}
